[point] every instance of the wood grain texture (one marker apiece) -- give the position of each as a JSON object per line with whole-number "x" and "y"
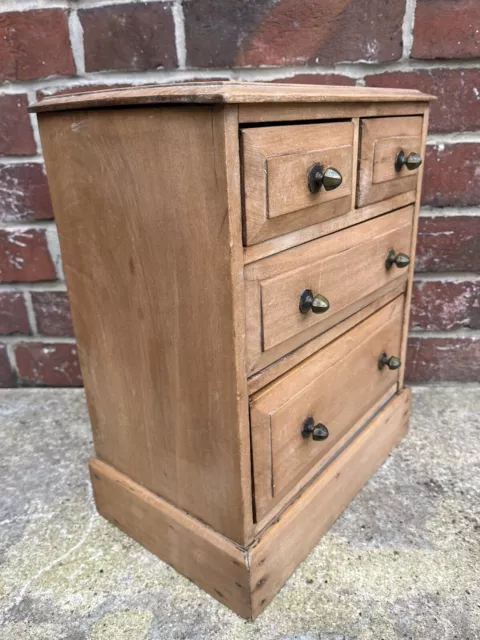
{"x": 270, "y": 373}
{"x": 317, "y": 388}
{"x": 380, "y": 141}
{"x": 314, "y": 472}
{"x": 275, "y": 245}
{"x": 276, "y": 161}
{"x": 227, "y": 92}
{"x": 194, "y": 550}
{"x": 149, "y": 262}
{"x": 284, "y": 112}
{"x": 345, "y": 267}
{"x": 287, "y": 542}
{"x": 411, "y": 268}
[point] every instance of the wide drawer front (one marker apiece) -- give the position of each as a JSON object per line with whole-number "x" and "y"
{"x": 298, "y": 420}
{"x": 282, "y": 191}
{"x": 390, "y": 155}
{"x": 345, "y": 269}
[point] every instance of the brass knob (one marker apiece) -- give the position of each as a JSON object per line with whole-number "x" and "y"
{"x": 400, "y": 260}
{"x": 317, "y": 431}
{"x": 412, "y": 161}
{"x": 330, "y": 178}
{"x": 391, "y": 362}
{"x": 318, "y": 303}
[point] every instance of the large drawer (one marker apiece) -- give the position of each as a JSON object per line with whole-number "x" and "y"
{"x": 347, "y": 268}
{"x": 382, "y": 173}
{"x": 336, "y": 387}
{"x": 278, "y": 197}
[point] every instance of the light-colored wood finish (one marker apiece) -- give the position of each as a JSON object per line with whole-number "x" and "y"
{"x": 276, "y": 161}
{"x": 196, "y": 551}
{"x": 411, "y": 269}
{"x": 345, "y": 267}
{"x": 280, "y": 112}
{"x": 153, "y": 290}
{"x": 270, "y": 247}
{"x": 290, "y": 539}
{"x": 381, "y": 140}
{"x": 359, "y": 313}
{"x": 317, "y": 469}
{"x": 228, "y": 92}
{"x": 246, "y": 579}
{"x": 199, "y": 367}
{"x": 281, "y": 455}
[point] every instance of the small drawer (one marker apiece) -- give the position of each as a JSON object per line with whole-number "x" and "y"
{"x": 298, "y": 421}
{"x": 345, "y": 271}
{"x": 282, "y": 191}
{"x": 389, "y": 157}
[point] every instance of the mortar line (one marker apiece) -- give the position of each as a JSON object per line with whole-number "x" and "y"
{"x": 32, "y": 319}
{"x": 180, "y": 39}
{"x": 407, "y": 28}
{"x": 75, "y": 30}
{"x": 11, "y": 341}
{"x": 445, "y": 334}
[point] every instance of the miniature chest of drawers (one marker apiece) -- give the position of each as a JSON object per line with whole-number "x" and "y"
{"x": 239, "y": 261}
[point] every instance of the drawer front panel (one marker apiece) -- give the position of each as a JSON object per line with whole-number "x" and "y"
{"x": 382, "y": 139}
{"x": 336, "y": 387}
{"x": 345, "y": 268}
{"x": 276, "y": 161}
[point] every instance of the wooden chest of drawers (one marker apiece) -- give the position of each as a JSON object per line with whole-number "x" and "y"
{"x": 239, "y": 261}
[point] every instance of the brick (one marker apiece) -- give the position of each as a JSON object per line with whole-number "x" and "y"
{"x": 140, "y": 37}
{"x": 52, "y": 313}
{"x": 35, "y": 44}
{"x": 443, "y": 306}
{"x": 457, "y": 107}
{"x": 7, "y": 375}
{"x": 443, "y": 359}
{"x": 13, "y": 314}
{"x": 48, "y": 365}
{"x": 446, "y": 29}
{"x": 239, "y": 33}
{"x": 315, "y": 78}
{"x": 16, "y": 134}
{"x": 448, "y": 244}
{"x": 24, "y": 191}
{"x": 452, "y": 175}
{"x": 24, "y": 256}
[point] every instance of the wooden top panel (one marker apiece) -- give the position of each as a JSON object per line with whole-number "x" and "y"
{"x": 227, "y": 92}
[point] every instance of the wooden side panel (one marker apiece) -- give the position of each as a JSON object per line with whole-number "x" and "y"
{"x": 287, "y": 542}
{"x": 197, "y": 552}
{"x": 150, "y": 236}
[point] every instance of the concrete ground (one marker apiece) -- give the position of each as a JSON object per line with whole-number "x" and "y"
{"x": 402, "y": 562}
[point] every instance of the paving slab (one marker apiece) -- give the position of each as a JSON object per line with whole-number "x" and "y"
{"x": 403, "y": 561}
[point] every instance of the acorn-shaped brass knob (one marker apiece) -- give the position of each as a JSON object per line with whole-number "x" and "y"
{"x": 329, "y": 178}
{"x": 317, "y": 431}
{"x": 400, "y": 260}
{"x": 309, "y": 302}
{"x": 392, "y": 362}
{"x": 412, "y": 161}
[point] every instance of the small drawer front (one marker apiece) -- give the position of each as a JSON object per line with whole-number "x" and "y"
{"x": 339, "y": 270}
{"x": 280, "y": 192}
{"x": 390, "y": 152}
{"x": 299, "y": 419}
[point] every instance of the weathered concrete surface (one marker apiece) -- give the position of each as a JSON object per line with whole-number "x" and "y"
{"x": 402, "y": 562}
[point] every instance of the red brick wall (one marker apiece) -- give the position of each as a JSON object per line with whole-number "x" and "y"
{"x": 432, "y": 45}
